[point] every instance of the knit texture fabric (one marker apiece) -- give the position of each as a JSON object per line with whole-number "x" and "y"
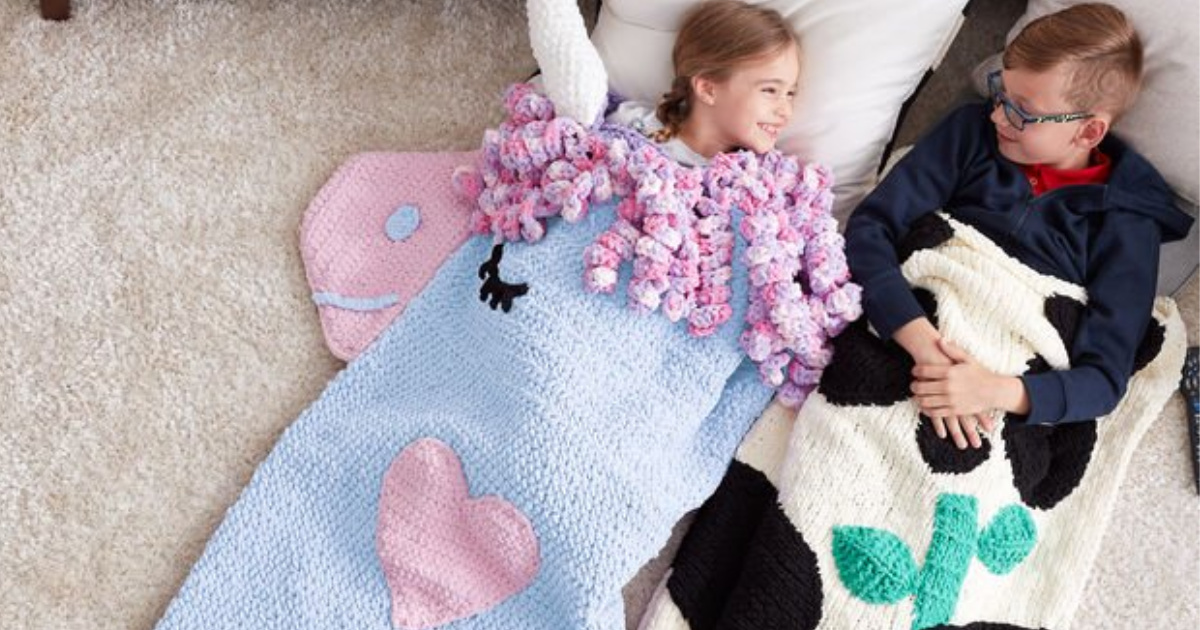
{"x": 600, "y": 426}
{"x": 865, "y": 519}
{"x": 513, "y": 447}
{"x": 572, "y": 69}
{"x": 676, "y": 228}
{"x": 374, "y": 234}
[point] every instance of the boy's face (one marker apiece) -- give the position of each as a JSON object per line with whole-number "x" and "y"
{"x": 1063, "y": 145}
{"x": 754, "y": 104}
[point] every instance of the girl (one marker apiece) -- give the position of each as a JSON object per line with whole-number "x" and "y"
{"x": 737, "y": 69}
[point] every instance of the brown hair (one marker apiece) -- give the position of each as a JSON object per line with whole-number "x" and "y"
{"x": 1100, "y": 46}
{"x": 714, "y": 39}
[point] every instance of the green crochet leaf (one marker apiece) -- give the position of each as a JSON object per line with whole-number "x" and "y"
{"x": 1007, "y": 539}
{"x": 875, "y": 565}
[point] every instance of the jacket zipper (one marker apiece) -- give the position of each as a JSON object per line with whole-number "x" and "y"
{"x": 1021, "y": 221}
{"x": 1031, "y": 199}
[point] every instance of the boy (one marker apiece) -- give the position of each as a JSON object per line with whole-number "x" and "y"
{"x": 1037, "y": 172}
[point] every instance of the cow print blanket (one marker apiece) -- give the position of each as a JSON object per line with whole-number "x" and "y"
{"x": 860, "y": 517}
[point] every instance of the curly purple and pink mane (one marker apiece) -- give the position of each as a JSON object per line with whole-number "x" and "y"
{"x": 676, "y": 224}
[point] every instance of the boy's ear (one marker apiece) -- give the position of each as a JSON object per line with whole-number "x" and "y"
{"x": 705, "y": 89}
{"x": 1093, "y": 131}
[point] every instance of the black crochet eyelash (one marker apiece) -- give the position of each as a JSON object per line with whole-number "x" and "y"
{"x": 495, "y": 291}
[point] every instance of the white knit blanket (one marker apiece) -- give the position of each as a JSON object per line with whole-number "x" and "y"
{"x": 877, "y": 523}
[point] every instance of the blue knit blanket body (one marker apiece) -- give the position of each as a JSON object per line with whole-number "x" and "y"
{"x": 599, "y": 425}
{"x": 522, "y": 438}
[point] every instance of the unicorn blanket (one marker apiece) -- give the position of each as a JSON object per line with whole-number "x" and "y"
{"x": 511, "y": 440}
{"x": 860, "y": 517}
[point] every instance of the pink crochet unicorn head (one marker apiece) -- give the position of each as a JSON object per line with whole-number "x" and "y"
{"x": 385, "y": 222}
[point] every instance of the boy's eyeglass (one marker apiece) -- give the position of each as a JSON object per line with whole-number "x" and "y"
{"x": 1015, "y": 115}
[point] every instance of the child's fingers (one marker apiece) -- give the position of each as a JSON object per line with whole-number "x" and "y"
{"x": 939, "y": 426}
{"x": 932, "y": 404}
{"x": 970, "y": 428}
{"x": 964, "y": 430}
{"x": 956, "y": 354}
{"x": 931, "y": 372}
{"x": 986, "y": 421}
{"x": 956, "y": 433}
{"x": 928, "y": 388}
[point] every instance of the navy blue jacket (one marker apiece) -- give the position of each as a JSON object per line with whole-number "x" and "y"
{"x": 1104, "y": 237}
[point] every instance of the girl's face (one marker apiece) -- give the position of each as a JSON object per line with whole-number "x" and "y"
{"x": 754, "y": 104}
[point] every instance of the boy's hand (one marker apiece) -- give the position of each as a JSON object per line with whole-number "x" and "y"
{"x": 959, "y": 389}
{"x": 920, "y": 339}
{"x": 963, "y": 430}
{"x": 966, "y": 389}
{"x": 924, "y": 344}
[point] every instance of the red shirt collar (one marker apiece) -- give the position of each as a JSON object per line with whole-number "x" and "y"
{"x": 1044, "y": 178}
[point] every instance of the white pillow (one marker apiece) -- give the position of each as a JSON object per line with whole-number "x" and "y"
{"x": 862, "y": 61}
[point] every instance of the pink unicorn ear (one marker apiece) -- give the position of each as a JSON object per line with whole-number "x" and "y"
{"x": 572, "y": 72}
{"x": 375, "y": 234}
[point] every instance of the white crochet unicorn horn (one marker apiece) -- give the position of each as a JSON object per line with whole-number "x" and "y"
{"x": 572, "y": 71}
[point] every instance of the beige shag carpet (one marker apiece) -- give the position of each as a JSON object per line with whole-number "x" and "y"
{"x": 156, "y": 332}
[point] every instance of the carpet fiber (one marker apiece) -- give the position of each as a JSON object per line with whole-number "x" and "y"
{"x": 157, "y": 335}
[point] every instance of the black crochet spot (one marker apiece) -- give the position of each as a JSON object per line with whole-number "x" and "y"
{"x": 867, "y": 370}
{"x": 983, "y": 625}
{"x": 928, "y": 304}
{"x": 496, "y": 292}
{"x": 943, "y": 456}
{"x": 927, "y": 232}
{"x": 1064, "y": 314}
{"x": 1037, "y": 365}
{"x": 779, "y": 585}
{"x": 1048, "y": 461}
{"x": 711, "y": 555}
{"x": 1151, "y": 345}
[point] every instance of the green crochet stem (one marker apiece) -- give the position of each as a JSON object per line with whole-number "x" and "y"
{"x": 878, "y": 568}
{"x": 946, "y": 562}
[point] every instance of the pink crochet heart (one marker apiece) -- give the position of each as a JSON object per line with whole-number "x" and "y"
{"x": 445, "y": 555}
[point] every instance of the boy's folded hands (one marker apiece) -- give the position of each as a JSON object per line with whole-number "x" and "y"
{"x": 960, "y": 396}
{"x": 955, "y": 394}
{"x": 964, "y": 397}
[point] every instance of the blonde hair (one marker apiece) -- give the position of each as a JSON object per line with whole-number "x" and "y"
{"x": 1100, "y": 47}
{"x": 715, "y": 38}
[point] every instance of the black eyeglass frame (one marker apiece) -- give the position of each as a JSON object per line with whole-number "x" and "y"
{"x": 1016, "y": 116}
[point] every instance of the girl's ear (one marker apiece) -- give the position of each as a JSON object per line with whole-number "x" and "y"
{"x": 1092, "y": 131}
{"x": 705, "y": 90}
